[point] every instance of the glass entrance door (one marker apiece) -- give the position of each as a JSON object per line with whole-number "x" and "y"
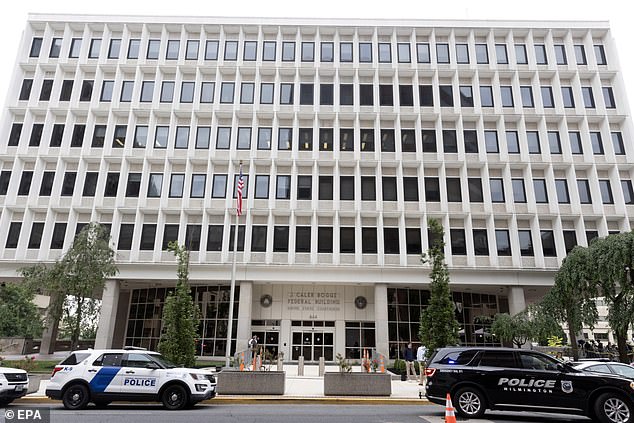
{"x": 313, "y": 345}
{"x": 269, "y": 340}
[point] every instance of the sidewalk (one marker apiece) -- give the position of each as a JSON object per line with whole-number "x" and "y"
{"x": 301, "y": 389}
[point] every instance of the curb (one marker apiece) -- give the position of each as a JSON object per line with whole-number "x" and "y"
{"x": 273, "y": 400}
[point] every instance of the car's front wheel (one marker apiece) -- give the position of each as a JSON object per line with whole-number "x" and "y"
{"x": 76, "y": 397}
{"x": 613, "y": 408}
{"x": 175, "y": 397}
{"x": 4, "y": 403}
{"x": 469, "y": 402}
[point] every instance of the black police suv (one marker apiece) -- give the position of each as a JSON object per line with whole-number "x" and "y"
{"x": 481, "y": 378}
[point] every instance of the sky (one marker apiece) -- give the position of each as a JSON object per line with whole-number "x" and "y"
{"x": 617, "y": 12}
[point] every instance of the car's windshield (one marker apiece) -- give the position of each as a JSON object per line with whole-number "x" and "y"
{"x": 162, "y": 361}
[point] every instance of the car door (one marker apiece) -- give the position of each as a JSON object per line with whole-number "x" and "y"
{"x": 571, "y": 388}
{"x": 102, "y": 374}
{"x": 140, "y": 374}
{"x": 541, "y": 384}
{"x": 496, "y": 371}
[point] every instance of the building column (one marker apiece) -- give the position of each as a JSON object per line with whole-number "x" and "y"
{"x": 340, "y": 337}
{"x": 245, "y": 303}
{"x": 517, "y": 301}
{"x": 49, "y": 336}
{"x": 380, "y": 317}
{"x": 108, "y": 314}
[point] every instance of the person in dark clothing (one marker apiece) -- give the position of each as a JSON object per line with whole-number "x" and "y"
{"x": 410, "y": 356}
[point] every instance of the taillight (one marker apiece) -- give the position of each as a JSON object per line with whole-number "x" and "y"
{"x": 56, "y": 369}
{"x": 430, "y": 371}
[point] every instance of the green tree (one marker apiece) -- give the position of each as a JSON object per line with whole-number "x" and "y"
{"x": 438, "y": 325}
{"x": 180, "y": 316}
{"x": 75, "y": 279}
{"x": 516, "y": 329}
{"x": 545, "y": 326}
{"x": 612, "y": 261}
{"x": 571, "y": 298}
{"x": 19, "y": 317}
{"x": 531, "y": 324}
{"x": 88, "y": 325}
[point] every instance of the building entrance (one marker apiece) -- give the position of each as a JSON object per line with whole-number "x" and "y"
{"x": 312, "y": 340}
{"x": 313, "y": 345}
{"x": 268, "y": 332}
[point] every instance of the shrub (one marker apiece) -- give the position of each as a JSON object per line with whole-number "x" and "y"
{"x": 27, "y": 363}
{"x": 344, "y": 365}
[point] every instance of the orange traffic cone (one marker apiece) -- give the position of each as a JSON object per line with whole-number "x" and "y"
{"x": 450, "y": 414}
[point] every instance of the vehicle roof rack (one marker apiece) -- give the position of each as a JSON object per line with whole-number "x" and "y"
{"x": 131, "y": 348}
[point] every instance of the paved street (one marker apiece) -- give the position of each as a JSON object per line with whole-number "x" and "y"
{"x": 281, "y": 413}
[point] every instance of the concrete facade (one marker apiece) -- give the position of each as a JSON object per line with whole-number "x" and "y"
{"x": 516, "y": 136}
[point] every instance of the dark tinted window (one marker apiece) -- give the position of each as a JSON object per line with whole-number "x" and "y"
{"x": 537, "y": 362}
{"x": 302, "y": 239}
{"x": 504, "y": 359}
{"x": 74, "y": 358}
{"x": 457, "y": 357}
{"x": 14, "y": 235}
{"x": 112, "y": 359}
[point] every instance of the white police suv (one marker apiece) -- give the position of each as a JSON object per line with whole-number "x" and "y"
{"x": 13, "y": 384}
{"x": 103, "y": 376}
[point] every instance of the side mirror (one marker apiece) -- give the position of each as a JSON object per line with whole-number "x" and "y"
{"x": 152, "y": 366}
{"x": 561, "y": 367}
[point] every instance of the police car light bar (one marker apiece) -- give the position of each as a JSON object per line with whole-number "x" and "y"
{"x": 131, "y": 348}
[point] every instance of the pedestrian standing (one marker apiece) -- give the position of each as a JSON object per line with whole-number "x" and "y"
{"x": 253, "y": 347}
{"x": 421, "y": 357}
{"x": 409, "y": 357}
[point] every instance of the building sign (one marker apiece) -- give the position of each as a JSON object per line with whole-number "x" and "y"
{"x": 313, "y": 301}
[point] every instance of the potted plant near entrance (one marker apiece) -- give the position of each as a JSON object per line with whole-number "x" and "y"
{"x": 345, "y": 382}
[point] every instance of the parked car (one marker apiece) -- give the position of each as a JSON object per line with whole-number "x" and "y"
{"x": 13, "y": 384}
{"x": 488, "y": 378}
{"x": 129, "y": 374}
{"x": 610, "y": 367}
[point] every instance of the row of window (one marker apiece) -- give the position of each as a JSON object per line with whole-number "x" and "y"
{"x": 303, "y": 244}
{"x": 365, "y": 52}
{"x": 365, "y": 94}
{"x": 324, "y": 185}
{"x": 349, "y": 140}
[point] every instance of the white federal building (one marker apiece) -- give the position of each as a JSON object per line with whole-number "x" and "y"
{"x": 515, "y": 135}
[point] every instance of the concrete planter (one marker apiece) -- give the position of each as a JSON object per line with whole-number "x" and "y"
{"x": 357, "y": 384}
{"x": 34, "y": 382}
{"x": 232, "y": 382}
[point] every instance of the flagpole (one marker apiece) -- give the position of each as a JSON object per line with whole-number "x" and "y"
{"x": 233, "y": 287}
{"x": 232, "y": 293}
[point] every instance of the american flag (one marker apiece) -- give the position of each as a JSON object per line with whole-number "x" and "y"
{"x": 240, "y": 188}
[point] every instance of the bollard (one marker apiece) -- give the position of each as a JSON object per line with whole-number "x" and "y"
{"x": 322, "y": 366}
{"x": 280, "y": 364}
{"x": 300, "y": 366}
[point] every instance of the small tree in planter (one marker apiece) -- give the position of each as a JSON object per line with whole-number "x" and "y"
{"x": 438, "y": 325}
{"x": 180, "y": 316}
{"x": 343, "y": 363}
